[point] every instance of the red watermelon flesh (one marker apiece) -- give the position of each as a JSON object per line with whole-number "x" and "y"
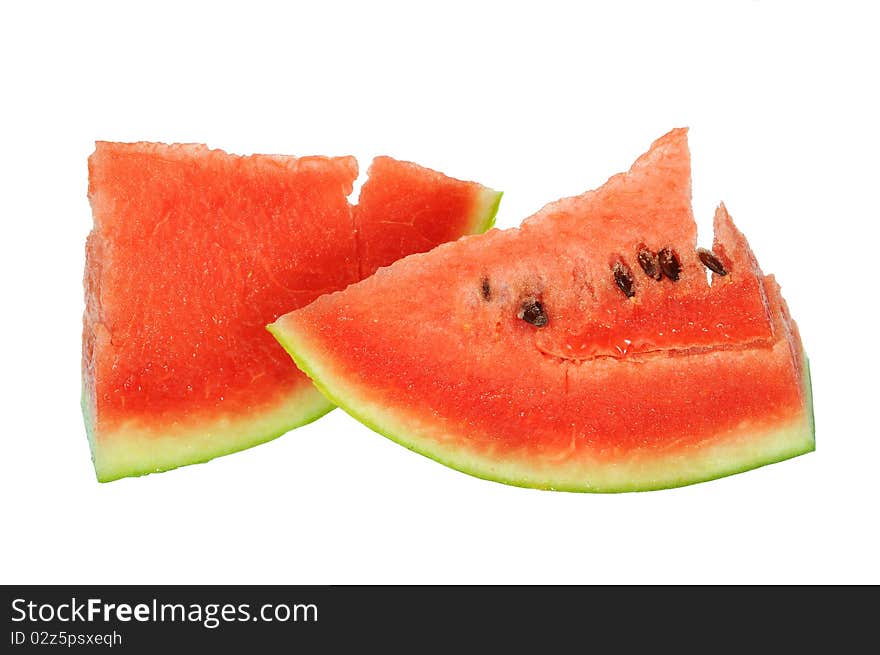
{"x": 520, "y": 356}
{"x": 405, "y": 208}
{"x": 193, "y": 251}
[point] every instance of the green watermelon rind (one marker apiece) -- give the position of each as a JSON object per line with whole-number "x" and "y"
{"x": 486, "y": 211}
{"x": 800, "y": 436}
{"x": 142, "y": 451}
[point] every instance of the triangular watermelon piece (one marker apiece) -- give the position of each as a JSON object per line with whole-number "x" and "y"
{"x": 193, "y": 251}
{"x": 585, "y": 351}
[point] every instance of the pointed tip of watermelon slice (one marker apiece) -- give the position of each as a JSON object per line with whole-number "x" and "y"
{"x": 675, "y": 135}
{"x": 672, "y": 145}
{"x": 731, "y": 244}
{"x": 655, "y": 190}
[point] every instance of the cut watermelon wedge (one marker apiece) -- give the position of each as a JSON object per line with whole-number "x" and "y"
{"x": 584, "y": 351}
{"x": 193, "y": 251}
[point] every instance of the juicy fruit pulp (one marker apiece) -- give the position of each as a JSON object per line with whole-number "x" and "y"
{"x": 584, "y": 351}
{"x": 193, "y": 251}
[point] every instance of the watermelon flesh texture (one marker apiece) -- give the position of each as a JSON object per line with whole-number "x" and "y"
{"x": 405, "y": 208}
{"x": 684, "y": 381}
{"x": 193, "y": 251}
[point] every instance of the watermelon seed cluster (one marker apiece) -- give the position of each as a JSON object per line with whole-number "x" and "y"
{"x": 531, "y": 309}
{"x": 657, "y": 265}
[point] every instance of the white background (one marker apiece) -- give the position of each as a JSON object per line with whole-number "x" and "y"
{"x": 538, "y": 99}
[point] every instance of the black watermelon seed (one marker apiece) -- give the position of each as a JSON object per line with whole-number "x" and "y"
{"x": 669, "y": 263}
{"x": 532, "y": 311}
{"x": 710, "y": 260}
{"x": 624, "y": 278}
{"x": 485, "y": 289}
{"x": 649, "y": 263}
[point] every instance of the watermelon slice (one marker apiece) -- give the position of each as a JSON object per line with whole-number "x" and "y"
{"x": 193, "y": 251}
{"x": 585, "y": 351}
